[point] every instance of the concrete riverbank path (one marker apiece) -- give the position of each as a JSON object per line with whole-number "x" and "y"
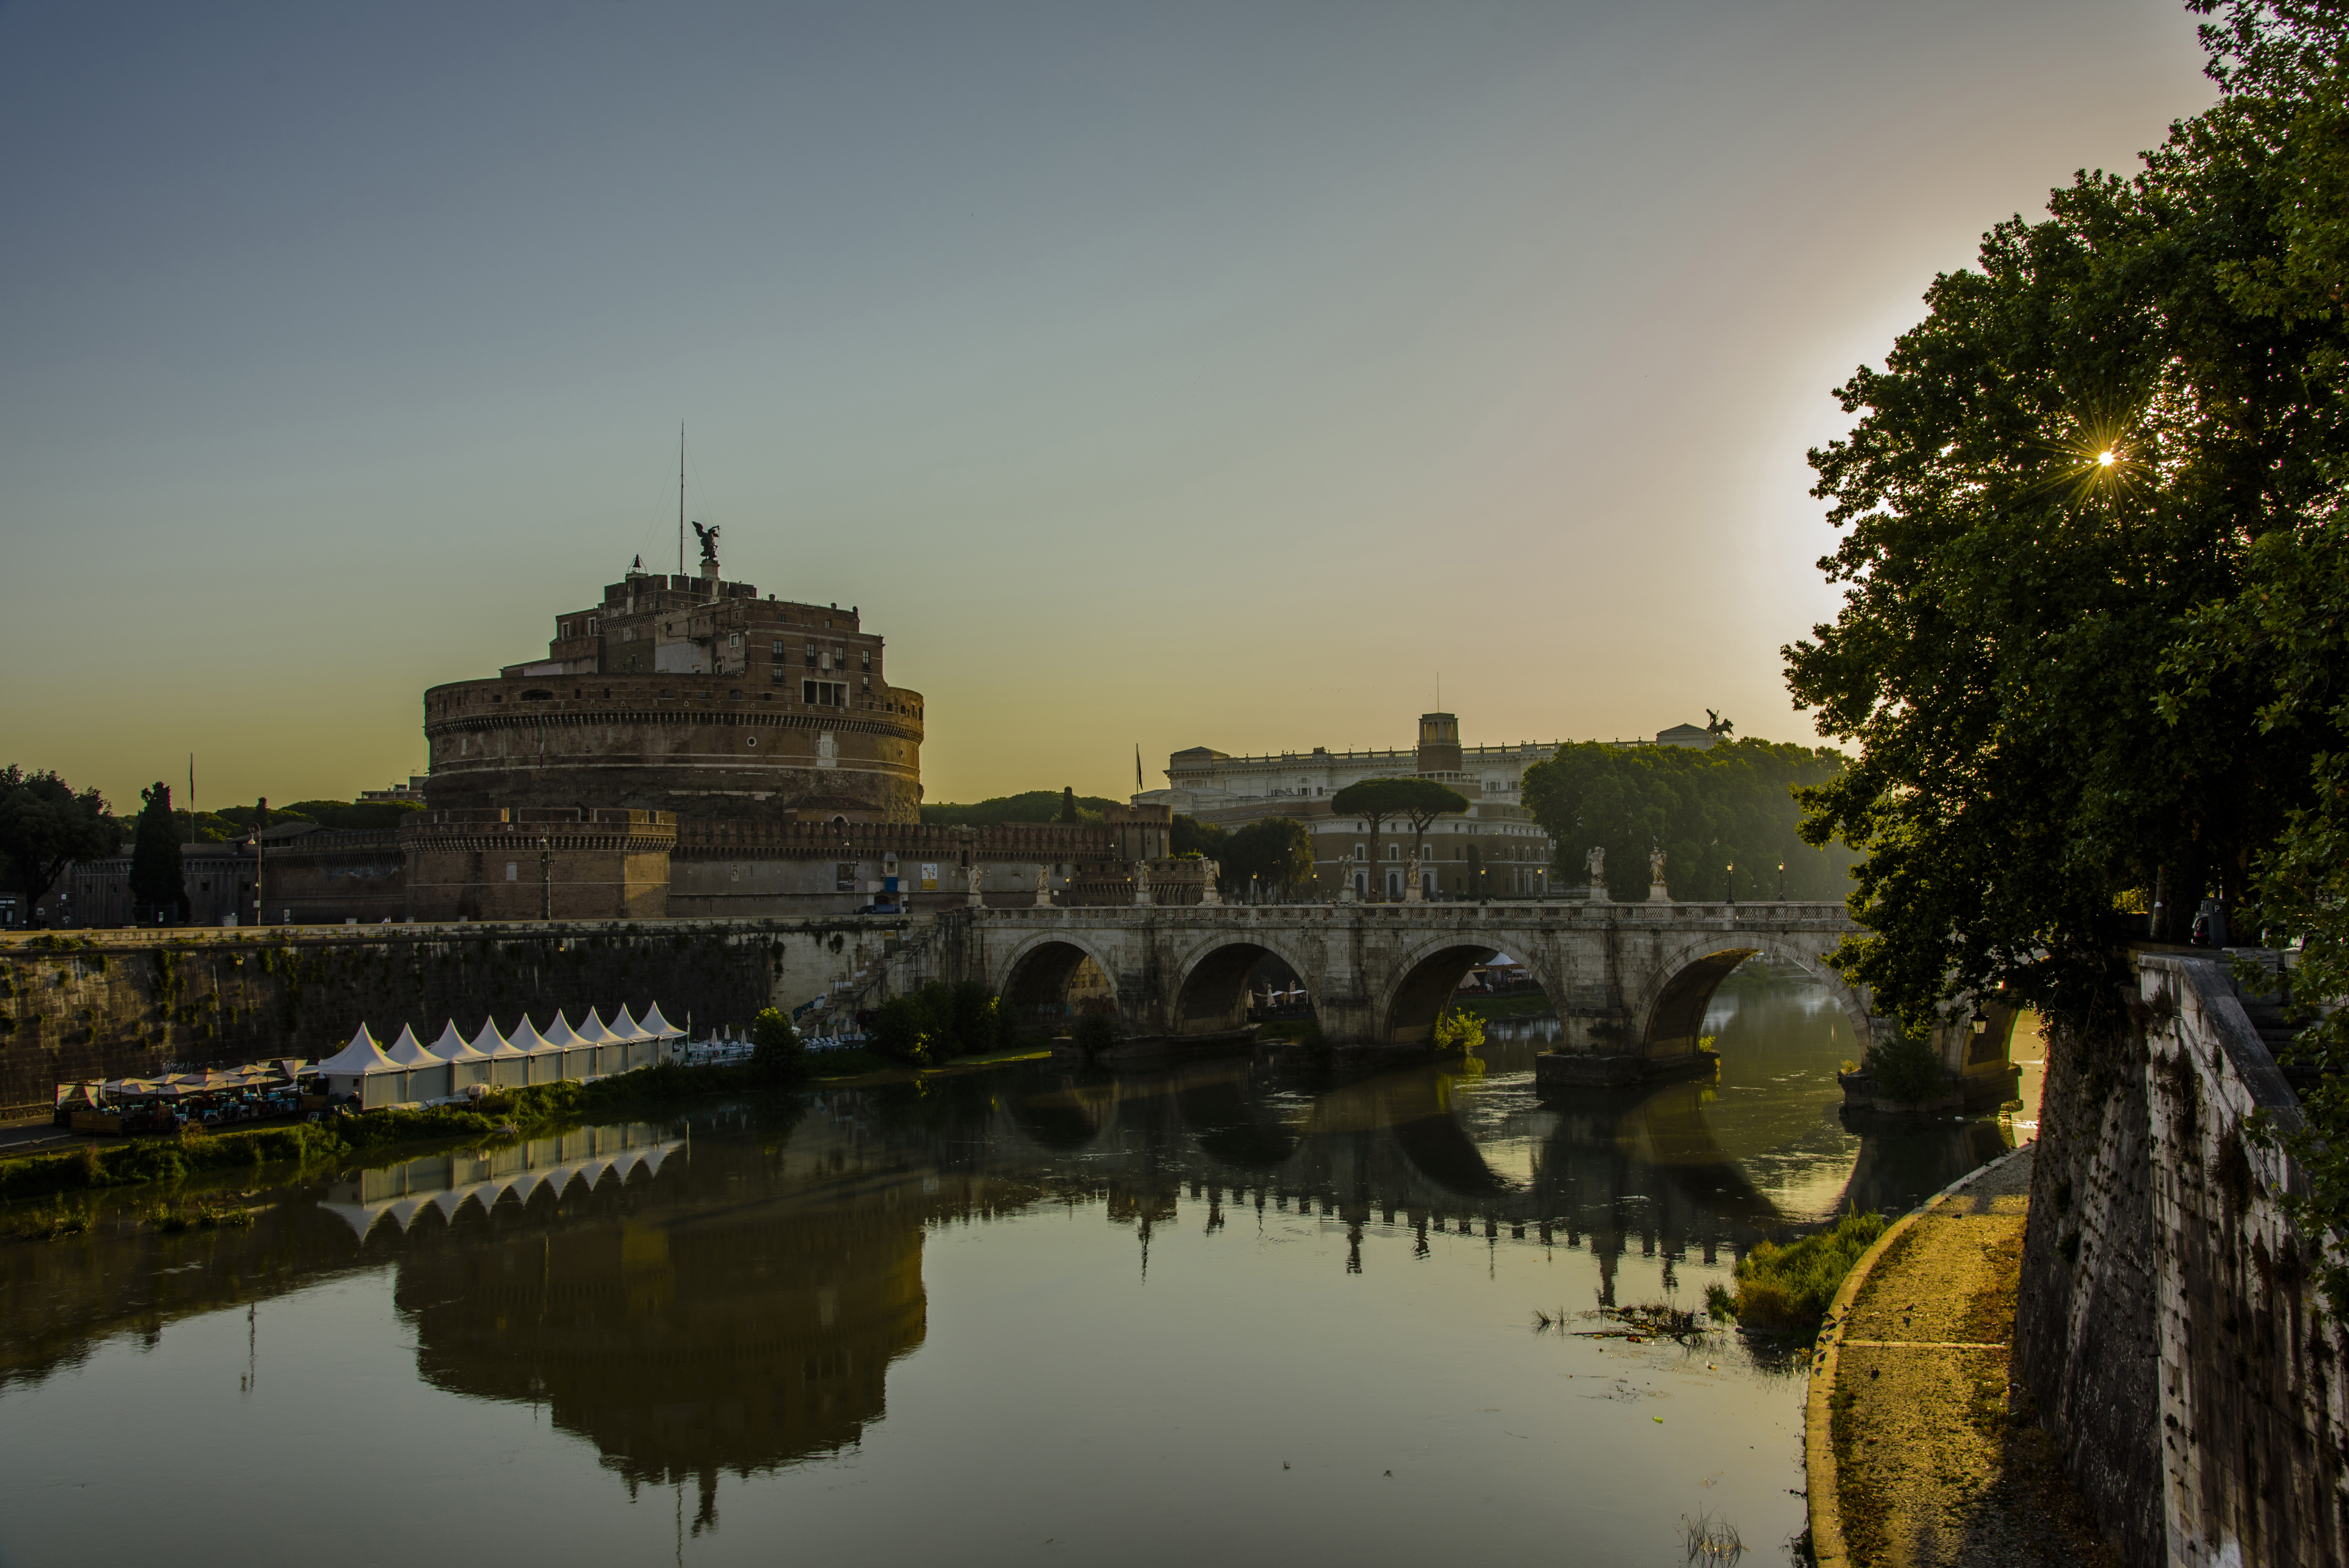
{"x": 1921, "y": 1452}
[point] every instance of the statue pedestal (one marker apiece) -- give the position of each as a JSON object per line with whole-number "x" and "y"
{"x": 1599, "y": 894}
{"x": 1657, "y": 893}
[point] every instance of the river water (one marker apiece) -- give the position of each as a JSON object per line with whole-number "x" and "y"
{"x": 1240, "y": 1310}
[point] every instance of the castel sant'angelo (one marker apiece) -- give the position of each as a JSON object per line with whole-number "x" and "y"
{"x": 691, "y": 696}
{"x": 689, "y": 748}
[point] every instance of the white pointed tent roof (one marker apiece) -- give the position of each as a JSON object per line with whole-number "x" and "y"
{"x": 362, "y": 1056}
{"x": 559, "y": 1034}
{"x": 655, "y": 1024}
{"x": 592, "y": 1033}
{"x": 452, "y": 1046}
{"x": 520, "y": 1043}
{"x": 409, "y": 1051}
{"x": 625, "y": 1029}
{"x": 489, "y": 1042}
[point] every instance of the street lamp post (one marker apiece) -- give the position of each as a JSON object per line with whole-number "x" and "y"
{"x": 1732, "y": 884}
{"x": 1782, "y": 881}
{"x": 546, "y": 877}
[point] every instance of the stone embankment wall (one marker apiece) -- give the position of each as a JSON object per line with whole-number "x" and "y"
{"x": 113, "y": 1004}
{"x": 2169, "y": 1326}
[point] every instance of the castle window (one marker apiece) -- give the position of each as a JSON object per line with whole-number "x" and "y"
{"x": 779, "y": 649}
{"x": 868, "y": 685}
{"x": 591, "y": 625}
{"x": 868, "y": 658}
{"x": 810, "y": 656}
{"x": 733, "y": 639}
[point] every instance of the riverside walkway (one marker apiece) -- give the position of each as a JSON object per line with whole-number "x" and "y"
{"x": 1918, "y": 1453}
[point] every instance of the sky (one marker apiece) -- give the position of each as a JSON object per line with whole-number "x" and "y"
{"x": 1237, "y": 374}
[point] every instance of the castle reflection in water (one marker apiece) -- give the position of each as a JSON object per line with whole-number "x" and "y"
{"x": 727, "y": 1291}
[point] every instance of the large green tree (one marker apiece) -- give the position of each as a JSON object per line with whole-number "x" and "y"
{"x": 46, "y": 825}
{"x": 157, "y": 888}
{"x": 1732, "y": 804}
{"x": 1274, "y": 857}
{"x": 2053, "y": 486}
{"x": 1418, "y": 802}
{"x": 2282, "y": 132}
{"x": 1192, "y": 836}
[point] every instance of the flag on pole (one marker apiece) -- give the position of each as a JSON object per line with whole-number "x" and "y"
{"x": 1137, "y": 767}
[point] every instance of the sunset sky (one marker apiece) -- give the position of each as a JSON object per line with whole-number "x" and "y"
{"x": 1170, "y": 375}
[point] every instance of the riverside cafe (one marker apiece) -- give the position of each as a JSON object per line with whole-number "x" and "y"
{"x": 454, "y": 1068}
{"x": 212, "y": 1097}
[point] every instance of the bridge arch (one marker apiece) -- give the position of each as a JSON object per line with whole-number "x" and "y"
{"x": 1428, "y": 976}
{"x": 1036, "y": 971}
{"x": 1668, "y": 1013}
{"x": 1210, "y": 992}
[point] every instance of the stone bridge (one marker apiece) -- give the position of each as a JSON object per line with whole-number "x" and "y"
{"x": 1630, "y": 982}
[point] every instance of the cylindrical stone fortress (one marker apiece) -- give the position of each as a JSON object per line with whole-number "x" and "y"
{"x": 690, "y": 696}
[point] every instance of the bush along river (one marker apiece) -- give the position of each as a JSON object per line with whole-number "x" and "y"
{"x": 1243, "y": 1307}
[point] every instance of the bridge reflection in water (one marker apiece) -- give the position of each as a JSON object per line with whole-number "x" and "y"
{"x": 728, "y": 1294}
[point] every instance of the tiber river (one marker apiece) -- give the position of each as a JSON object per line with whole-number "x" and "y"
{"x": 1231, "y": 1312}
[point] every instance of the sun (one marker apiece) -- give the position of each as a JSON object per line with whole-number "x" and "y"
{"x": 2106, "y": 459}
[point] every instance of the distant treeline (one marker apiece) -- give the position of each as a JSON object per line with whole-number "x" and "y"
{"x": 236, "y": 821}
{"x": 1030, "y": 806}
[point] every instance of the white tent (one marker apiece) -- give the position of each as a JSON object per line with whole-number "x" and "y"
{"x": 626, "y": 1029}
{"x": 452, "y": 1046}
{"x": 657, "y": 1027}
{"x": 592, "y": 1033}
{"x": 526, "y": 1039}
{"x": 407, "y": 1051}
{"x": 559, "y": 1035}
{"x": 360, "y": 1057}
{"x": 490, "y": 1043}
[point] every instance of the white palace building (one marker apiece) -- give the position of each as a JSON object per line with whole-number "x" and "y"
{"x": 1493, "y": 850}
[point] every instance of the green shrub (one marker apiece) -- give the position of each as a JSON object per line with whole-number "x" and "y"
{"x": 777, "y": 1052}
{"x": 1458, "y": 1030}
{"x": 1908, "y": 1070}
{"x": 1788, "y": 1289}
{"x": 904, "y": 1030}
{"x": 1096, "y": 1033}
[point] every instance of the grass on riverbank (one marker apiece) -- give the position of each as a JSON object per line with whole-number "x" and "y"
{"x": 149, "y": 1160}
{"x": 1788, "y": 1289}
{"x": 141, "y": 1161}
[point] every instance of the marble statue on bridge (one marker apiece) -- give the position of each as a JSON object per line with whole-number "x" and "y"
{"x": 1657, "y": 892}
{"x": 1596, "y": 859}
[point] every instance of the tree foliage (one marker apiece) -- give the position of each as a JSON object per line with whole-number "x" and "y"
{"x": 1192, "y": 836}
{"x": 156, "y": 884}
{"x": 777, "y": 1052}
{"x": 46, "y": 825}
{"x": 1708, "y": 809}
{"x": 940, "y": 1021}
{"x": 2279, "y": 645}
{"x": 1416, "y": 800}
{"x": 1275, "y": 857}
{"x": 2061, "y": 500}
